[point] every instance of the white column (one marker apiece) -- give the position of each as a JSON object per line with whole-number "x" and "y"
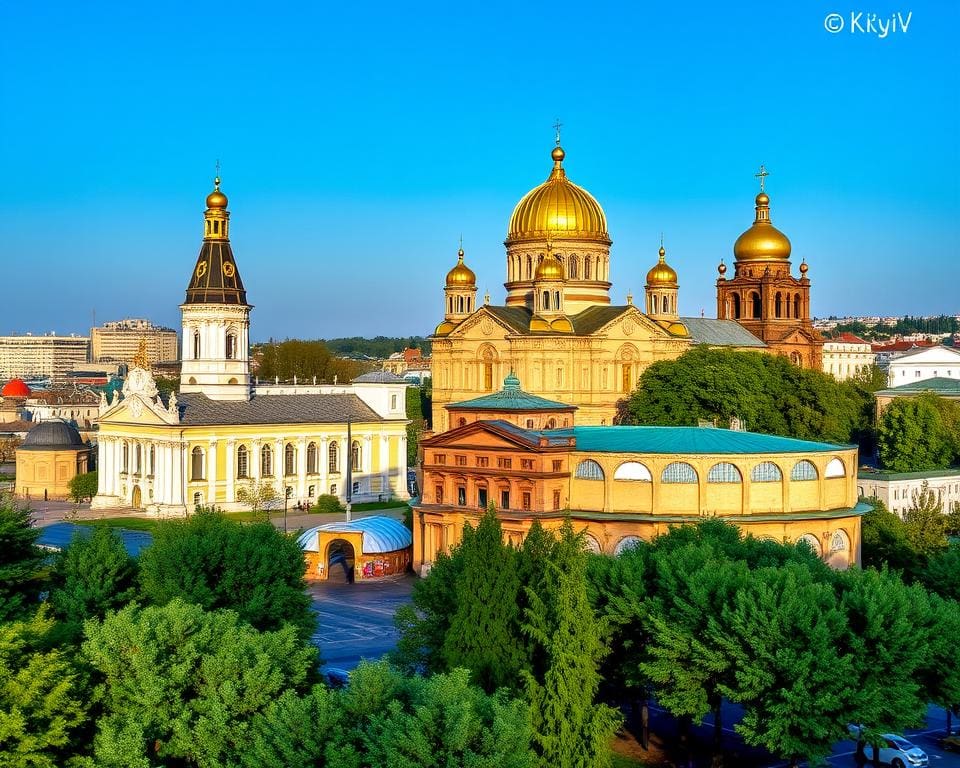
{"x": 104, "y": 471}
{"x": 323, "y": 461}
{"x": 301, "y": 489}
{"x": 255, "y": 460}
{"x": 385, "y": 464}
{"x": 231, "y": 461}
{"x": 278, "y": 467}
{"x": 212, "y": 473}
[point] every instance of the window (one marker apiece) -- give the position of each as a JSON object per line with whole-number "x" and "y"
{"x": 393, "y": 402}
{"x": 839, "y": 542}
{"x": 138, "y": 458}
{"x": 504, "y": 463}
{"x": 312, "y": 459}
{"x": 266, "y": 461}
{"x": 196, "y": 463}
{"x": 356, "y": 488}
{"x": 483, "y": 461}
{"x": 526, "y": 463}
{"x": 460, "y": 461}
{"x": 678, "y": 472}
{"x": 525, "y": 501}
{"x": 439, "y": 458}
{"x": 488, "y": 377}
{"x": 556, "y": 500}
{"x": 558, "y": 465}
{"x": 766, "y": 472}
{"x": 724, "y": 472}
{"x": 438, "y": 494}
{"x": 461, "y": 496}
{"x": 482, "y": 498}
{"x": 627, "y": 542}
{"x": 333, "y": 457}
{"x": 231, "y": 344}
{"x": 803, "y": 470}
{"x": 461, "y": 422}
{"x": 504, "y": 499}
{"x": 197, "y": 499}
{"x": 835, "y": 468}
{"x": 355, "y": 455}
{"x": 289, "y": 460}
{"x": 626, "y": 382}
{"x": 633, "y": 470}
{"x": 589, "y": 470}
{"x": 529, "y": 423}
{"x": 196, "y": 345}
{"x": 243, "y": 469}
{"x": 312, "y": 491}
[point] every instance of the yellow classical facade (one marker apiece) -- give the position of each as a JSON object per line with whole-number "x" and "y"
{"x": 558, "y": 329}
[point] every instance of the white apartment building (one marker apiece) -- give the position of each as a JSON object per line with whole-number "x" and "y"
{"x": 927, "y": 363}
{"x": 119, "y": 341}
{"x": 46, "y": 356}
{"x": 847, "y": 355}
{"x": 896, "y": 489}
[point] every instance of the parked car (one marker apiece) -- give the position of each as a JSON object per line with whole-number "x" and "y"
{"x": 895, "y": 750}
{"x": 951, "y": 742}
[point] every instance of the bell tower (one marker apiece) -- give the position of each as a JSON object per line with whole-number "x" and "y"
{"x": 215, "y": 353}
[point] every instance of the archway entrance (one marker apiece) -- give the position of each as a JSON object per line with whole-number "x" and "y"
{"x": 136, "y": 500}
{"x": 340, "y": 562}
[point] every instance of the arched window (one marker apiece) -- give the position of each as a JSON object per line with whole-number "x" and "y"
{"x": 591, "y": 544}
{"x": 126, "y": 457}
{"x": 572, "y": 266}
{"x": 196, "y": 345}
{"x": 587, "y": 268}
{"x": 766, "y": 472}
{"x": 796, "y": 305}
{"x": 488, "y": 377}
{"x": 289, "y": 460}
{"x": 627, "y": 542}
{"x": 266, "y": 461}
{"x": 835, "y": 468}
{"x": 231, "y": 344}
{"x": 633, "y": 470}
{"x": 736, "y": 306}
{"x": 529, "y": 267}
{"x": 839, "y": 542}
{"x": 811, "y": 541}
{"x": 755, "y": 305}
{"x": 545, "y": 301}
{"x": 678, "y": 472}
{"x": 803, "y": 470}
{"x": 196, "y": 463}
{"x": 778, "y": 305}
{"x": 355, "y": 455}
{"x": 333, "y": 463}
{"x": 312, "y": 459}
{"x": 724, "y": 472}
{"x": 243, "y": 462}
{"x": 137, "y": 458}
{"x": 588, "y": 469}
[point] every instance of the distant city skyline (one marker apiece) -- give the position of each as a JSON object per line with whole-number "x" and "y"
{"x": 359, "y": 143}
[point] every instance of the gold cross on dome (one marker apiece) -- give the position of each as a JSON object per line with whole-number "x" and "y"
{"x": 557, "y": 126}
{"x": 762, "y": 175}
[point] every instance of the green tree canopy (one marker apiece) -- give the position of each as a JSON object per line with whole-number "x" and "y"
{"x": 884, "y": 539}
{"x": 20, "y": 560}
{"x": 215, "y": 562}
{"x": 914, "y": 434}
{"x": 925, "y": 522}
{"x": 180, "y": 685}
{"x": 83, "y": 486}
{"x": 767, "y": 392}
{"x": 304, "y": 360}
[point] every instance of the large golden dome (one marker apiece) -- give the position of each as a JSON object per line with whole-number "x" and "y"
{"x": 662, "y": 275}
{"x": 558, "y": 209}
{"x": 461, "y": 275}
{"x": 763, "y": 241}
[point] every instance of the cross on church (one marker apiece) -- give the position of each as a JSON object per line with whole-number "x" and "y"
{"x": 762, "y": 175}
{"x": 557, "y": 126}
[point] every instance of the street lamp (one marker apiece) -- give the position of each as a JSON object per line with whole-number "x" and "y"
{"x": 286, "y": 496}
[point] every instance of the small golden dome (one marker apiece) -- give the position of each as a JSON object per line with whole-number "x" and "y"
{"x": 722, "y": 269}
{"x": 763, "y": 241}
{"x": 804, "y": 267}
{"x": 558, "y": 208}
{"x": 216, "y": 199}
{"x": 461, "y": 275}
{"x": 550, "y": 268}
{"x": 662, "y": 275}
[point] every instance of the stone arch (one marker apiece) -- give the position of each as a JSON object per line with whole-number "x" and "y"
{"x": 588, "y": 469}
{"x": 724, "y": 472}
{"x": 679, "y": 472}
{"x": 804, "y": 470}
{"x": 813, "y": 542}
{"x": 627, "y": 542}
{"x": 591, "y": 544}
{"x": 736, "y": 306}
{"x": 835, "y": 468}
{"x": 633, "y": 470}
{"x": 839, "y": 557}
{"x": 756, "y": 307}
{"x": 340, "y": 561}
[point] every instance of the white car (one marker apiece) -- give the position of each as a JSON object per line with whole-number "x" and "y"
{"x": 895, "y": 750}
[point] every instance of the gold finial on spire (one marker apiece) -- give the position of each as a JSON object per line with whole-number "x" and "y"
{"x": 140, "y": 360}
{"x": 762, "y": 175}
{"x": 557, "y": 126}
{"x": 662, "y": 252}
{"x": 460, "y": 252}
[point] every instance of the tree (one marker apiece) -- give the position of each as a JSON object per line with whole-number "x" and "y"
{"x": 92, "y": 576}
{"x": 570, "y": 729}
{"x": 179, "y": 685}
{"x": 953, "y": 519}
{"x": 782, "y": 633}
{"x": 912, "y": 435}
{"x": 8, "y": 448}
{"x": 940, "y": 674}
{"x": 219, "y": 563}
{"x": 925, "y": 522}
{"x": 83, "y": 486}
{"x": 20, "y": 561}
{"x": 484, "y": 629}
{"x": 884, "y": 539}
{"x": 258, "y": 496}
{"x": 942, "y": 573}
{"x": 41, "y": 701}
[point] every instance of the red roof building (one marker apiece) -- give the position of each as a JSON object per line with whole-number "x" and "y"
{"x": 15, "y": 388}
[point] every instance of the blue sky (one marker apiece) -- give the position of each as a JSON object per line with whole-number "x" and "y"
{"x": 358, "y": 141}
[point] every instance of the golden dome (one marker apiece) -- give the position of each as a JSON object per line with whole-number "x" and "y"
{"x": 461, "y": 275}
{"x": 662, "y": 275}
{"x": 558, "y": 208}
{"x": 216, "y": 199}
{"x": 763, "y": 241}
{"x": 550, "y": 268}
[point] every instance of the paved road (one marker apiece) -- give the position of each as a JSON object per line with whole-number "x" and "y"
{"x": 356, "y": 620}
{"x": 58, "y": 535}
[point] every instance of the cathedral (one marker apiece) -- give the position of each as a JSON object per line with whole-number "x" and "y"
{"x": 223, "y": 432}
{"x": 559, "y": 331}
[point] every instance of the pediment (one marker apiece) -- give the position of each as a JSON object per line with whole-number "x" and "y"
{"x": 482, "y": 324}
{"x": 136, "y": 409}
{"x": 484, "y": 434}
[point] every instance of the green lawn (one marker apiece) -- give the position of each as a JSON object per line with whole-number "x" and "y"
{"x": 371, "y": 505}
{"x": 622, "y": 761}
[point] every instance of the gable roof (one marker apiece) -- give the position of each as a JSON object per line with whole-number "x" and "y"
{"x": 199, "y": 410}
{"x": 939, "y": 348}
{"x": 720, "y": 333}
{"x": 510, "y": 398}
{"x": 939, "y": 385}
{"x": 379, "y": 377}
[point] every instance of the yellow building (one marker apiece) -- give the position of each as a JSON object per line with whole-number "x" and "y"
{"x": 52, "y": 454}
{"x": 558, "y": 330}
{"x": 625, "y": 484}
{"x": 221, "y": 433}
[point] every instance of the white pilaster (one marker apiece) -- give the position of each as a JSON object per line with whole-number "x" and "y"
{"x": 212, "y": 473}
{"x": 231, "y": 463}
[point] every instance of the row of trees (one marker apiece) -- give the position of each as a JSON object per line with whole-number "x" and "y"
{"x": 303, "y": 360}
{"x": 198, "y": 653}
{"x": 919, "y": 433}
{"x": 379, "y": 347}
{"x": 941, "y": 324}
{"x": 699, "y": 616}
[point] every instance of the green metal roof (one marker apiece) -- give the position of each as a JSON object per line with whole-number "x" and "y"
{"x": 720, "y": 333}
{"x": 939, "y": 386}
{"x": 511, "y": 398}
{"x": 882, "y": 474}
{"x": 690, "y": 440}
